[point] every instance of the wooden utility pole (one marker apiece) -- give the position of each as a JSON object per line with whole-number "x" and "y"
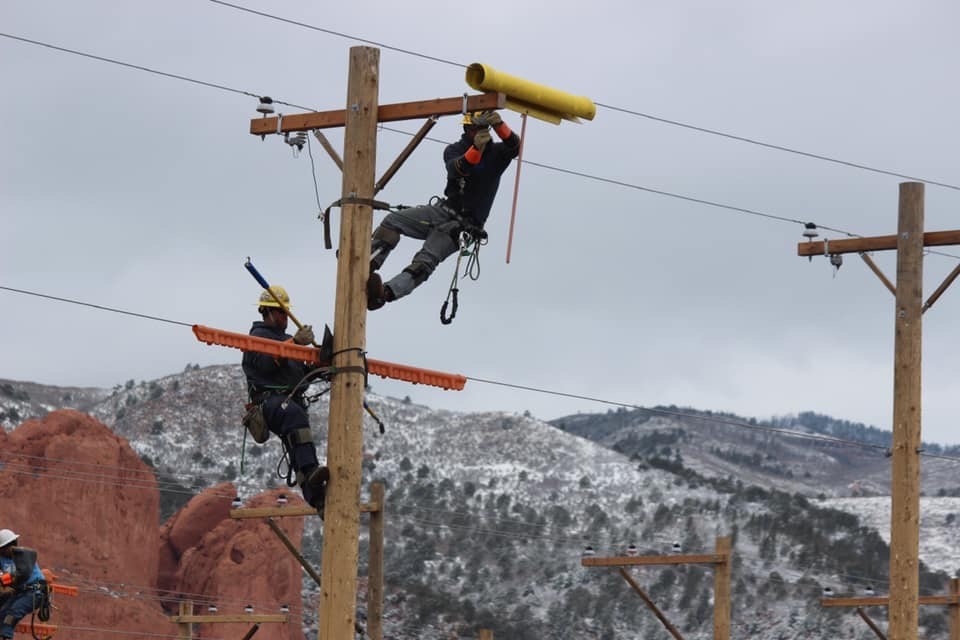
{"x": 905, "y": 468}
{"x": 954, "y": 614}
{"x": 486, "y": 634}
{"x": 720, "y": 560}
{"x": 375, "y": 566}
{"x": 905, "y": 471}
{"x": 721, "y": 591}
{"x": 345, "y": 435}
{"x": 951, "y": 600}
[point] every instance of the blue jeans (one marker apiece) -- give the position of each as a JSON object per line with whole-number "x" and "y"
{"x": 14, "y": 608}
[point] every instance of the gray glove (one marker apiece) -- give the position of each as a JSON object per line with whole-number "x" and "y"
{"x": 304, "y": 335}
{"x": 481, "y": 139}
{"x": 493, "y": 119}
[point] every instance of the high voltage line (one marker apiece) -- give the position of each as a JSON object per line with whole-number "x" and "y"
{"x": 632, "y": 112}
{"x": 681, "y": 414}
{"x": 580, "y": 174}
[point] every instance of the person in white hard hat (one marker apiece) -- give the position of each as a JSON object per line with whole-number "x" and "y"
{"x": 23, "y": 587}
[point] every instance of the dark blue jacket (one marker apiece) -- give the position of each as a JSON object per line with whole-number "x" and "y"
{"x": 267, "y": 373}
{"x": 471, "y": 188}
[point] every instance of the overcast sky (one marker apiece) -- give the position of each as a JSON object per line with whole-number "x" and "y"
{"x": 131, "y": 190}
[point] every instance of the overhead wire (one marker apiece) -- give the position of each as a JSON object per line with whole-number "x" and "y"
{"x": 695, "y": 416}
{"x": 632, "y": 112}
{"x": 572, "y": 172}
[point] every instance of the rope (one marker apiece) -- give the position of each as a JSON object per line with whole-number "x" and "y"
{"x": 470, "y": 243}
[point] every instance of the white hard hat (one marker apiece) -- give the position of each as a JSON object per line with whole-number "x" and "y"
{"x": 6, "y": 537}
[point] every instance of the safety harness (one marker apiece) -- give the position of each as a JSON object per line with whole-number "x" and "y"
{"x": 301, "y": 435}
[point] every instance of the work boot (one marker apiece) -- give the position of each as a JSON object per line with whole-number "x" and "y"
{"x": 376, "y": 295}
{"x": 314, "y": 488}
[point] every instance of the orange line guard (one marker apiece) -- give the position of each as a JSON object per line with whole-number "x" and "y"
{"x": 279, "y": 349}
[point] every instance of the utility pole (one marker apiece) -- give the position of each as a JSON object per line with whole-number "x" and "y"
{"x": 905, "y": 467}
{"x": 905, "y": 470}
{"x": 341, "y": 523}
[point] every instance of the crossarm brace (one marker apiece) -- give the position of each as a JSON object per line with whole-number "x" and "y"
{"x": 873, "y": 267}
{"x": 292, "y": 549}
{"x": 871, "y": 624}
{"x": 653, "y": 607}
{"x": 943, "y": 287}
{"x": 409, "y": 149}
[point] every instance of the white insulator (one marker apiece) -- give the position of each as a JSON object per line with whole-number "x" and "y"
{"x": 237, "y": 503}
{"x": 632, "y": 550}
{"x": 869, "y": 591}
{"x": 248, "y": 608}
{"x": 827, "y": 591}
{"x": 810, "y": 231}
{"x": 676, "y": 547}
{"x": 266, "y": 105}
{"x": 588, "y": 551}
{"x": 281, "y": 500}
{"x": 284, "y": 608}
{"x": 212, "y": 608}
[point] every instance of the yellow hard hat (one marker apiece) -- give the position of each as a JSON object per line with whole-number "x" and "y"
{"x": 266, "y": 300}
{"x": 470, "y": 119}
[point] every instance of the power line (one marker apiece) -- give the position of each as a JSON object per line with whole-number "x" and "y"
{"x": 777, "y": 147}
{"x": 638, "y": 114}
{"x": 138, "y": 67}
{"x": 530, "y": 162}
{"x": 616, "y": 403}
{"x": 95, "y": 306}
{"x": 339, "y": 34}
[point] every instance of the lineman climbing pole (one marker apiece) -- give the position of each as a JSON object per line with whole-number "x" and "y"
{"x": 905, "y": 469}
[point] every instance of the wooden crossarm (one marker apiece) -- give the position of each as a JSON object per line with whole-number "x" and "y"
{"x": 877, "y": 243}
{"x": 633, "y": 561}
{"x": 883, "y": 601}
{"x": 385, "y": 113}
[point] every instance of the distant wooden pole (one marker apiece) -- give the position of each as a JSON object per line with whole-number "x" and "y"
{"x": 486, "y": 634}
{"x": 955, "y": 611}
{"x": 338, "y": 601}
{"x": 905, "y": 472}
{"x": 186, "y": 628}
{"x": 721, "y": 591}
{"x": 650, "y": 604}
{"x": 375, "y": 564}
{"x": 870, "y": 623}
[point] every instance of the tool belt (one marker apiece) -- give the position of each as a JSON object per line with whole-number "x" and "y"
{"x": 465, "y": 223}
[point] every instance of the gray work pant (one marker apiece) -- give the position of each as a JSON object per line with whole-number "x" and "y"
{"x": 437, "y": 226}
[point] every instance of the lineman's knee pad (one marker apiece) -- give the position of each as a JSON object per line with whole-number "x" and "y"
{"x": 385, "y": 237}
{"x": 419, "y": 271}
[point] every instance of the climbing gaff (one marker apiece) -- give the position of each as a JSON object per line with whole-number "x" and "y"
{"x": 540, "y": 101}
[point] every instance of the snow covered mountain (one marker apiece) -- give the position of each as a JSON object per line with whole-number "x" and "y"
{"x": 488, "y": 513}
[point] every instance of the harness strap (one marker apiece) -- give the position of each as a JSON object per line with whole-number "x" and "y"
{"x": 370, "y": 202}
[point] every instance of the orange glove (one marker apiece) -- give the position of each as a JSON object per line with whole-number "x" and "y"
{"x": 6, "y": 579}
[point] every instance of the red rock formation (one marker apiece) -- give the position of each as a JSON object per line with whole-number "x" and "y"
{"x": 236, "y": 562}
{"x": 80, "y": 495}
